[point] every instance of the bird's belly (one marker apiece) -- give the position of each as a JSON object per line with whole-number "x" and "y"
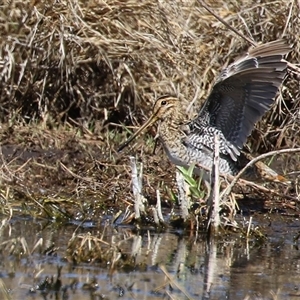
{"x": 202, "y": 159}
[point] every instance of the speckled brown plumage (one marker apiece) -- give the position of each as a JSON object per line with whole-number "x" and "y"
{"x": 243, "y": 92}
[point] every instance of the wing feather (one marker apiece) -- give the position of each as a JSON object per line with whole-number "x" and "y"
{"x": 243, "y": 92}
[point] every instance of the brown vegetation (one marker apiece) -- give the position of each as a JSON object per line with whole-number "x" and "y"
{"x": 76, "y": 77}
{"x": 74, "y": 72}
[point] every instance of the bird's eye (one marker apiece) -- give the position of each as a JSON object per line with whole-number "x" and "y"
{"x": 164, "y": 102}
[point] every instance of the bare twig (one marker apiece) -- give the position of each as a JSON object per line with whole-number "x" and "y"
{"x": 227, "y": 191}
{"x": 174, "y": 282}
{"x": 214, "y": 199}
{"x": 158, "y": 206}
{"x": 251, "y": 42}
{"x": 137, "y": 188}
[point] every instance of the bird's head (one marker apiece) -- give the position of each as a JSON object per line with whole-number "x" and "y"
{"x": 163, "y": 109}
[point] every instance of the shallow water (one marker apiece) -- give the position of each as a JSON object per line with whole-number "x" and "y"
{"x": 153, "y": 265}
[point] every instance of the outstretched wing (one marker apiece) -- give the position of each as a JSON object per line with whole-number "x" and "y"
{"x": 244, "y": 91}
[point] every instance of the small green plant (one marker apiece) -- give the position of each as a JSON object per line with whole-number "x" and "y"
{"x": 194, "y": 185}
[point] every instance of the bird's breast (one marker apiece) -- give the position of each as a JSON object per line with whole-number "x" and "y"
{"x": 183, "y": 154}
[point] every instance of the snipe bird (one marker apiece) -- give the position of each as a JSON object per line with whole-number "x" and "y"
{"x": 243, "y": 92}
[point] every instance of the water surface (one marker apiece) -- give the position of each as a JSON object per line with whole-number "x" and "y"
{"x": 35, "y": 263}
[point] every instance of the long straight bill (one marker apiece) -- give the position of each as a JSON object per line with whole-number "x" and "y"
{"x": 150, "y": 121}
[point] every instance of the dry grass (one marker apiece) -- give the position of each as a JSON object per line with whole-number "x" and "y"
{"x": 86, "y": 64}
{"x": 72, "y": 73}
{"x": 88, "y": 61}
